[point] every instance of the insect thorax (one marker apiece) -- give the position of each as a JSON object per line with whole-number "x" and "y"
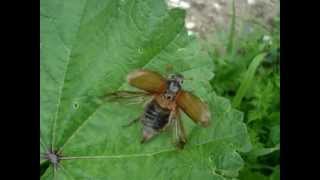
{"x": 173, "y": 87}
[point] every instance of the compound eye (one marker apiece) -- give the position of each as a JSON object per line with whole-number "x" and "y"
{"x": 172, "y": 76}
{"x": 181, "y": 81}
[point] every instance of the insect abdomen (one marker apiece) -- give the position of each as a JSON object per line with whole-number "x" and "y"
{"x": 155, "y": 117}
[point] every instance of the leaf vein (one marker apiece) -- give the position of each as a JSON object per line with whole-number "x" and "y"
{"x": 89, "y": 117}
{"x": 62, "y": 85}
{"x": 145, "y": 154}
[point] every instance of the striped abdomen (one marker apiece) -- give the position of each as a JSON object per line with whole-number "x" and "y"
{"x": 154, "y": 116}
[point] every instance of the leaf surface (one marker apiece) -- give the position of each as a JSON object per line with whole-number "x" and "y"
{"x": 87, "y": 49}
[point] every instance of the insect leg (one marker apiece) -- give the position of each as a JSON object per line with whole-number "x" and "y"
{"x": 132, "y": 122}
{"x": 179, "y": 131}
{"x": 169, "y": 69}
{"x": 170, "y": 123}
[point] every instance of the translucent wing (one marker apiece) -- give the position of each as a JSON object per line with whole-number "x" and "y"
{"x": 179, "y": 134}
{"x": 129, "y": 97}
{"x": 147, "y": 80}
{"x": 196, "y": 109}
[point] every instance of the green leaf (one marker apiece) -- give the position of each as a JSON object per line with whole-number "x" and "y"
{"x": 276, "y": 173}
{"x": 247, "y": 80}
{"x": 264, "y": 151}
{"x": 247, "y": 174}
{"x": 87, "y": 49}
{"x": 275, "y": 134}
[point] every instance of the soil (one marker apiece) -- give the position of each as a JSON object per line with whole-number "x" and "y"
{"x": 206, "y": 16}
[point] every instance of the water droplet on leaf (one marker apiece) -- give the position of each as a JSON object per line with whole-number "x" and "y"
{"x": 75, "y": 106}
{"x": 140, "y": 50}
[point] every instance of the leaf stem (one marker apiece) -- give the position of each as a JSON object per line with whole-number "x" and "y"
{"x": 115, "y": 156}
{"x": 142, "y": 154}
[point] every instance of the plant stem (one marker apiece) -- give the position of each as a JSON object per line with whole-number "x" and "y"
{"x": 232, "y": 29}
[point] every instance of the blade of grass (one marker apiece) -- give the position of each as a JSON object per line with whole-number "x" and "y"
{"x": 265, "y": 151}
{"x": 247, "y": 80}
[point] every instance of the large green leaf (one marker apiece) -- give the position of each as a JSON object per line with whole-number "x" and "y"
{"x": 87, "y": 48}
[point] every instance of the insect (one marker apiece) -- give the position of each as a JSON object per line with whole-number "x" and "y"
{"x": 166, "y": 99}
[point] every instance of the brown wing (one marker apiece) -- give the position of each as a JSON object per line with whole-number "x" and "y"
{"x": 147, "y": 80}
{"x": 194, "y": 108}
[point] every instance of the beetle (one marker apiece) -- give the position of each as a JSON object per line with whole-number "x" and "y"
{"x": 163, "y": 109}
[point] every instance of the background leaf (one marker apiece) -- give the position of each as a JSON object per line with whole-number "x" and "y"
{"x": 87, "y": 48}
{"x": 247, "y": 80}
{"x": 257, "y": 95}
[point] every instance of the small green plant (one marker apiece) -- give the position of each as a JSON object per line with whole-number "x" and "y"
{"x": 251, "y": 79}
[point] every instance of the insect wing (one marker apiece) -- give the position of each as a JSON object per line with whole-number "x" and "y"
{"x": 149, "y": 81}
{"x": 179, "y": 134}
{"x": 129, "y": 97}
{"x": 194, "y": 108}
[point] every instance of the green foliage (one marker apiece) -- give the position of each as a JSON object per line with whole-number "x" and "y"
{"x": 251, "y": 78}
{"x": 247, "y": 79}
{"x": 87, "y": 49}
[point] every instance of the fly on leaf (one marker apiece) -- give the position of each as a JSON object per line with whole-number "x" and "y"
{"x": 164, "y": 98}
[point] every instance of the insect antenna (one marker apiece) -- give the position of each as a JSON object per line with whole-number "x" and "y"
{"x": 188, "y": 78}
{"x": 169, "y": 68}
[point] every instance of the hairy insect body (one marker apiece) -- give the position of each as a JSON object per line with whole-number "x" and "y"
{"x": 167, "y": 100}
{"x": 156, "y": 116}
{"x": 154, "y": 119}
